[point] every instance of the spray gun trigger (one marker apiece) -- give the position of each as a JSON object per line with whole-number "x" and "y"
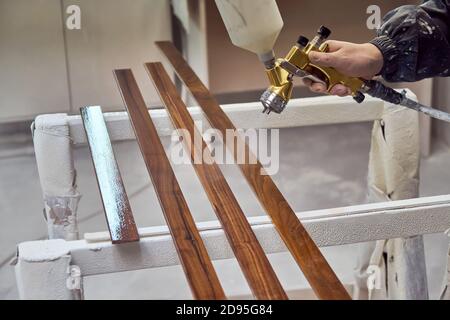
{"x": 293, "y": 70}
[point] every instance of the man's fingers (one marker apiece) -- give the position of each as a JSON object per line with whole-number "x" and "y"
{"x": 324, "y": 59}
{"x": 334, "y": 45}
{"x": 332, "y": 58}
{"x": 314, "y": 86}
{"x": 340, "y": 90}
{"x": 307, "y": 82}
{"x": 318, "y": 88}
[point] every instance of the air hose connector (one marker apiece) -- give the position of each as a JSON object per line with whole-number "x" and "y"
{"x": 378, "y": 90}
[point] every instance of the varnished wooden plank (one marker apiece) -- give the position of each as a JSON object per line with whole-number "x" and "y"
{"x": 196, "y": 263}
{"x": 249, "y": 253}
{"x": 308, "y": 256}
{"x": 119, "y": 216}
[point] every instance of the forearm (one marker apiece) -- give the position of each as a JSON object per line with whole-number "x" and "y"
{"x": 414, "y": 41}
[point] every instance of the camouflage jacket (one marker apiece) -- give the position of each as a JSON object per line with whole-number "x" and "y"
{"x": 415, "y": 42}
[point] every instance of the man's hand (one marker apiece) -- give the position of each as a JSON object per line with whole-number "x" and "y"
{"x": 354, "y": 60}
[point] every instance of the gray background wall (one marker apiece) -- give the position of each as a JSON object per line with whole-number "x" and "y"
{"x": 48, "y": 68}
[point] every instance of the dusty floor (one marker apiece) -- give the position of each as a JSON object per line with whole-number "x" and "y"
{"x": 314, "y": 174}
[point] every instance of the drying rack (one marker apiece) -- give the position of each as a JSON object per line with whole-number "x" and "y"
{"x": 54, "y": 268}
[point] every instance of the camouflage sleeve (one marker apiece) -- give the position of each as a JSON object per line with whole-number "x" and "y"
{"x": 415, "y": 42}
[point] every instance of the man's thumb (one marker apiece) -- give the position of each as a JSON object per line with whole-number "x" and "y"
{"x": 324, "y": 59}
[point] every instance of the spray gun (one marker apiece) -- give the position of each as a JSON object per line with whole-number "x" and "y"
{"x": 281, "y": 73}
{"x": 255, "y": 26}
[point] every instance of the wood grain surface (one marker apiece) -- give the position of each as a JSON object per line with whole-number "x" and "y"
{"x": 254, "y": 263}
{"x": 119, "y": 216}
{"x": 308, "y": 256}
{"x": 195, "y": 260}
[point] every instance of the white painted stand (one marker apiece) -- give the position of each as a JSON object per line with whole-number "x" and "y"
{"x": 394, "y": 175}
{"x": 53, "y": 150}
{"x": 446, "y": 286}
{"x": 45, "y": 263}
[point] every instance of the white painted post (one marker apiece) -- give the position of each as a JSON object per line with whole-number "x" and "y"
{"x": 52, "y": 145}
{"x": 446, "y": 286}
{"x": 43, "y": 270}
{"x": 447, "y": 289}
{"x": 394, "y": 175}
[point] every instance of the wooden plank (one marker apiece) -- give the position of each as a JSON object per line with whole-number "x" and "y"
{"x": 119, "y": 216}
{"x": 256, "y": 267}
{"x": 195, "y": 260}
{"x": 314, "y": 266}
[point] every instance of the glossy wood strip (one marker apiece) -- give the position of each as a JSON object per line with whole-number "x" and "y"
{"x": 195, "y": 260}
{"x": 119, "y": 216}
{"x": 308, "y": 256}
{"x": 256, "y": 267}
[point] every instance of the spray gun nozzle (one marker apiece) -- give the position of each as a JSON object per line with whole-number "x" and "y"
{"x": 273, "y": 102}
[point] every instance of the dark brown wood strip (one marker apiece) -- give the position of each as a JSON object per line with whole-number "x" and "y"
{"x": 249, "y": 253}
{"x": 308, "y": 256}
{"x": 119, "y": 217}
{"x": 195, "y": 260}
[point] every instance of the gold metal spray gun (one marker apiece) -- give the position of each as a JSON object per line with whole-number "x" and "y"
{"x": 282, "y": 71}
{"x": 297, "y": 63}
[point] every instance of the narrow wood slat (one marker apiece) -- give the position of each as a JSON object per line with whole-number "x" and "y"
{"x": 119, "y": 216}
{"x": 249, "y": 253}
{"x": 308, "y": 256}
{"x": 195, "y": 260}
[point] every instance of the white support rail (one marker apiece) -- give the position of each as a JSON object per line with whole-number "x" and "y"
{"x": 95, "y": 256}
{"x": 300, "y": 113}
